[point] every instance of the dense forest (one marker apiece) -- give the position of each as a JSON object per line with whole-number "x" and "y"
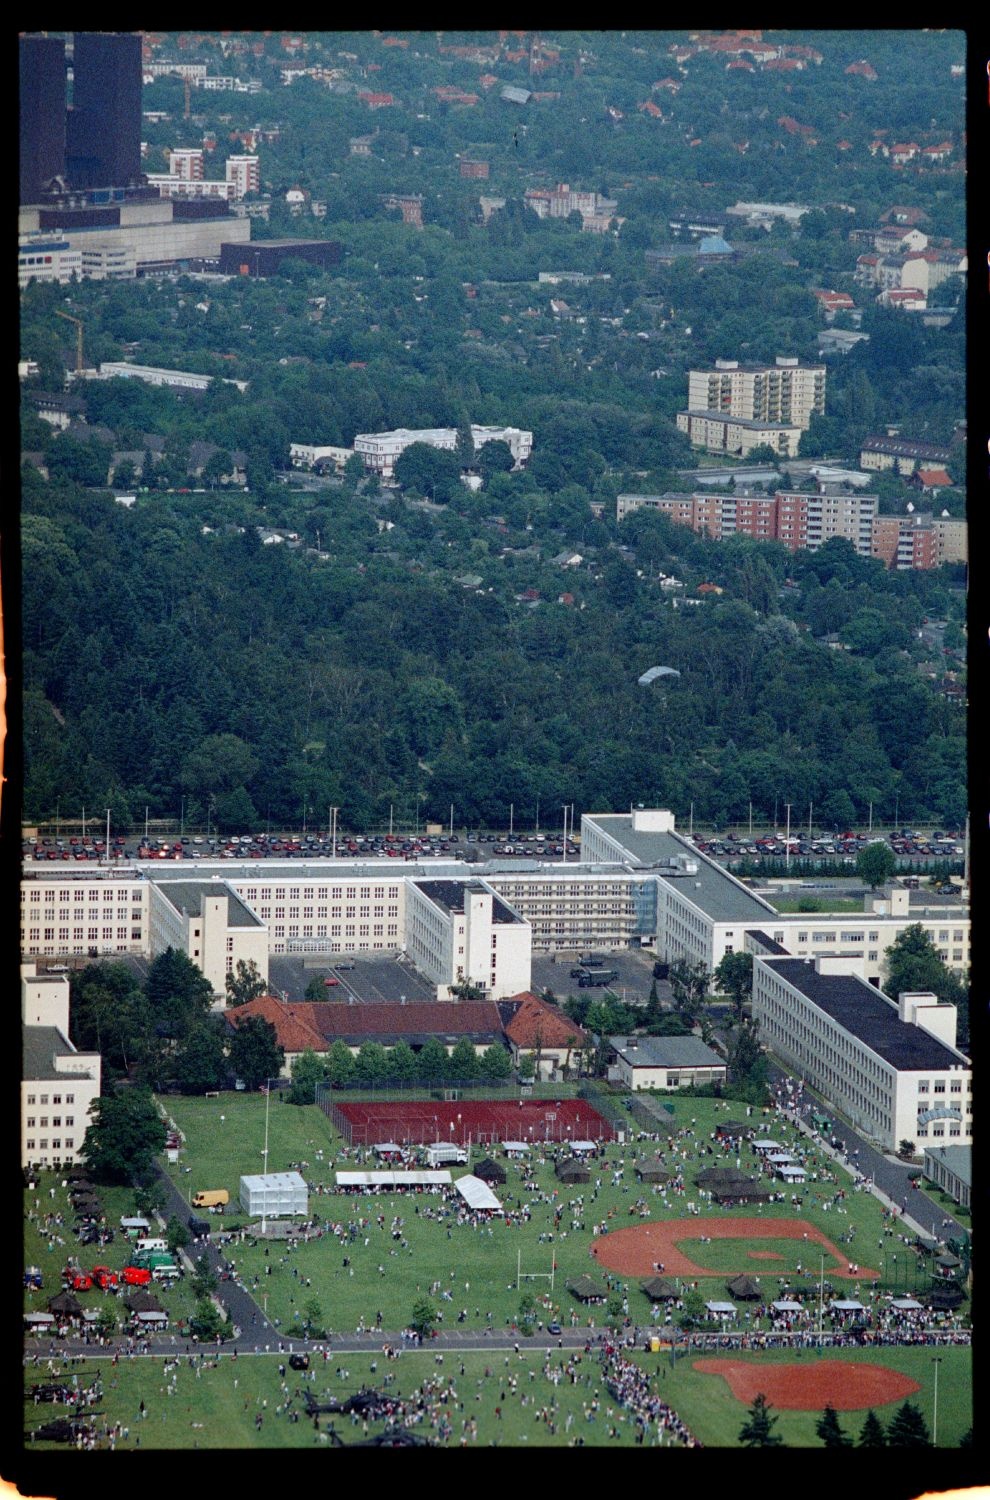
{"x": 427, "y": 646}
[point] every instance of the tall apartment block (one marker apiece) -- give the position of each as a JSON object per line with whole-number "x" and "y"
{"x": 42, "y": 114}
{"x": 104, "y": 123}
{"x": 786, "y": 392}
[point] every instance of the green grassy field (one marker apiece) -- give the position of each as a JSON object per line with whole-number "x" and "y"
{"x": 476, "y": 1267}
{"x": 225, "y": 1399}
{"x": 729, "y": 1257}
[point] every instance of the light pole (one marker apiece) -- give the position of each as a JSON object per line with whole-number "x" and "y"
{"x": 936, "y": 1361}
{"x": 264, "y": 1200}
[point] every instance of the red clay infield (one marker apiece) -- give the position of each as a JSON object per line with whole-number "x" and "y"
{"x": 636, "y": 1251}
{"x": 813, "y": 1386}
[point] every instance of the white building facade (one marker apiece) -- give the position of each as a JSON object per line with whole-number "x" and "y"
{"x": 211, "y": 925}
{"x": 58, "y": 1084}
{"x": 891, "y": 1068}
{"x": 461, "y": 932}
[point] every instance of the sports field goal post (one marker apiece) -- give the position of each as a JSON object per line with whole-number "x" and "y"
{"x": 522, "y": 1275}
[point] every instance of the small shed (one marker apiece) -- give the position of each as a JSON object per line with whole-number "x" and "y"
{"x": 660, "y": 1289}
{"x": 274, "y": 1194}
{"x": 490, "y": 1171}
{"x": 571, "y": 1170}
{"x": 745, "y": 1288}
{"x": 586, "y": 1289}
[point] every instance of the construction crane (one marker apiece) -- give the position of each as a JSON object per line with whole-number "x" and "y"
{"x": 79, "y": 336}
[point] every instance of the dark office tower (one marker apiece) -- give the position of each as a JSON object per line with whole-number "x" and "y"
{"x": 42, "y": 113}
{"x": 104, "y": 123}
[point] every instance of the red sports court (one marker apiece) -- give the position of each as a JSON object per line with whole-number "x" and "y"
{"x": 484, "y": 1121}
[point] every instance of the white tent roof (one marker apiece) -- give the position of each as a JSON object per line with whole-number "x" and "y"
{"x": 792, "y": 1173}
{"x": 583, "y": 1146}
{"x": 905, "y": 1304}
{"x": 721, "y": 1307}
{"x": 41, "y": 1319}
{"x": 134, "y": 1224}
{"x": 516, "y": 1146}
{"x": 768, "y": 1146}
{"x": 846, "y": 1305}
{"x": 781, "y": 1158}
{"x": 273, "y": 1182}
{"x": 787, "y": 1307}
{"x": 476, "y": 1194}
{"x": 393, "y": 1179}
{"x": 387, "y": 1148}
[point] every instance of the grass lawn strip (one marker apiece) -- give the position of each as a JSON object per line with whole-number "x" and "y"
{"x": 227, "y": 1396}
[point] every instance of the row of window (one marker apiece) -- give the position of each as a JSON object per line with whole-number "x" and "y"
{"x": 56, "y": 1145}
{"x": 321, "y": 911}
{"x": 43, "y": 1125}
{"x": 91, "y": 934}
{"x": 55, "y": 1098}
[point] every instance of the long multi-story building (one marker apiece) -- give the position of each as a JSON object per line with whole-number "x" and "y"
{"x": 786, "y": 392}
{"x": 808, "y": 521}
{"x": 890, "y": 1066}
{"x": 379, "y": 450}
{"x": 638, "y": 884}
{"x": 103, "y": 135}
{"x": 717, "y": 433}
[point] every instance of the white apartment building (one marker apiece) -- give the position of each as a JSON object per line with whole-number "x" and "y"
{"x": 186, "y": 163}
{"x": 193, "y": 187}
{"x": 785, "y": 393}
{"x": 379, "y": 450}
{"x": 208, "y": 922}
{"x": 244, "y": 174}
{"x": 306, "y": 455}
{"x": 462, "y": 932}
{"x": 164, "y": 69}
{"x": 47, "y": 259}
{"x": 891, "y": 1067}
{"x": 717, "y": 433}
{"x": 58, "y": 1084}
{"x": 184, "y": 380}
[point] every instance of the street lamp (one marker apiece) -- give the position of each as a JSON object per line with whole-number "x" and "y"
{"x": 936, "y": 1361}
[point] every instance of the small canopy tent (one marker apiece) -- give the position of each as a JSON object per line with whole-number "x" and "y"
{"x": 721, "y": 1309}
{"x": 786, "y": 1306}
{"x": 660, "y": 1289}
{"x": 745, "y": 1288}
{"x": 906, "y": 1304}
{"x": 585, "y": 1289}
{"x": 393, "y": 1180}
{"x": 490, "y": 1171}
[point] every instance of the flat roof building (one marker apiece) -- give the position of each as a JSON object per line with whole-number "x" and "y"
{"x": 103, "y": 128}
{"x": 891, "y": 1067}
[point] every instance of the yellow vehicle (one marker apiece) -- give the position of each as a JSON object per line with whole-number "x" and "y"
{"x": 210, "y": 1198}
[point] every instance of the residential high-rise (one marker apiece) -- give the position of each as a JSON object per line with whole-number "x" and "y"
{"x": 42, "y": 114}
{"x": 786, "y": 392}
{"x": 103, "y": 132}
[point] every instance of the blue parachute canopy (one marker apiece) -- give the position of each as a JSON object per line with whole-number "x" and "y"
{"x": 655, "y": 672}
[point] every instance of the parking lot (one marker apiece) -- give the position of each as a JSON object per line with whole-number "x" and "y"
{"x": 635, "y": 975}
